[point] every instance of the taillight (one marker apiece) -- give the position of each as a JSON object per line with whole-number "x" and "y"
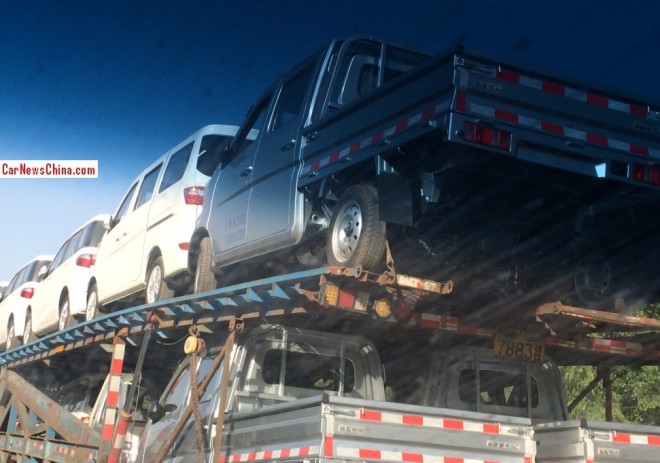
{"x": 86, "y": 260}
{"x": 194, "y": 195}
{"x": 27, "y": 293}
{"x": 184, "y": 246}
{"x": 486, "y": 135}
{"x": 646, "y": 174}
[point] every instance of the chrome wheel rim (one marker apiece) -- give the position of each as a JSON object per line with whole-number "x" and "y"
{"x": 90, "y": 310}
{"x": 153, "y": 285}
{"x": 64, "y": 315}
{"x": 347, "y": 230}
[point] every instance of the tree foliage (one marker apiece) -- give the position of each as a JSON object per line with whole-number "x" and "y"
{"x": 635, "y": 390}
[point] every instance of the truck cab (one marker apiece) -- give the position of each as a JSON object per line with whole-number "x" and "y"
{"x": 274, "y": 367}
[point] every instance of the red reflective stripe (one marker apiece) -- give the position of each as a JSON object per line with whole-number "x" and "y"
{"x": 621, "y": 438}
{"x": 453, "y": 460}
{"x": 252, "y": 456}
{"x": 639, "y": 149}
{"x": 508, "y": 76}
{"x": 370, "y": 415}
{"x": 285, "y": 453}
{"x": 413, "y": 420}
{"x": 366, "y": 453}
{"x": 413, "y": 457}
{"x": 117, "y": 365}
{"x": 507, "y": 116}
{"x": 638, "y": 110}
{"x": 597, "y": 139}
{"x": 596, "y": 99}
{"x": 303, "y": 452}
{"x": 108, "y": 429}
{"x": 453, "y": 424}
{"x": 401, "y": 126}
{"x": 378, "y": 137}
{"x": 551, "y": 87}
{"x": 315, "y": 165}
{"x": 654, "y": 440}
{"x": 268, "y": 454}
{"x": 355, "y": 147}
{"x": 222, "y": 459}
{"x": 428, "y": 113}
{"x": 327, "y": 447}
{"x": 113, "y": 398}
{"x": 554, "y": 128}
{"x": 491, "y": 428}
{"x": 334, "y": 157}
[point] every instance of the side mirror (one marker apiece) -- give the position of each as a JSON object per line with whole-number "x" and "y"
{"x": 108, "y": 223}
{"x": 156, "y": 411}
{"x": 43, "y": 271}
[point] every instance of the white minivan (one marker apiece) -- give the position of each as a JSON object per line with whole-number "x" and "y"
{"x": 143, "y": 256}
{"x": 62, "y": 295}
{"x": 16, "y": 299}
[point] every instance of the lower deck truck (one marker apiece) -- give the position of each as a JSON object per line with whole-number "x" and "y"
{"x": 324, "y": 366}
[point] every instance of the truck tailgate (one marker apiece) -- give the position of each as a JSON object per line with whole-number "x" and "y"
{"x": 346, "y": 429}
{"x": 591, "y": 441}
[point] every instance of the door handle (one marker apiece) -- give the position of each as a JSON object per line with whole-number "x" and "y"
{"x": 288, "y": 145}
{"x": 247, "y": 171}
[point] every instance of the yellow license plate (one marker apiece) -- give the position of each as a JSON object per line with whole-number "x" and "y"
{"x": 519, "y": 345}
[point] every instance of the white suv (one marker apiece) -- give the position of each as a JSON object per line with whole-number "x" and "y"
{"x": 62, "y": 292}
{"x": 16, "y": 299}
{"x": 143, "y": 256}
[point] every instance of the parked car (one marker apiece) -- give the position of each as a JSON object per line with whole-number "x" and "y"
{"x": 16, "y": 300}
{"x": 62, "y": 295}
{"x": 143, "y": 256}
{"x": 3, "y": 286}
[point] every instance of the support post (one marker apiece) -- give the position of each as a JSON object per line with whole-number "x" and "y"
{"x": 112, "y": 401}
{"x": 607, "y": 387}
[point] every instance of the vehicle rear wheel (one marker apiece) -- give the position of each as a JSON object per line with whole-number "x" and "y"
{"x": 28, "y": 334}
{"x": 12, "y": 340}
{"x": 356, "y": 236}
{"x": 204, "y": 277}
{"x": 66, "y": 320}
{"x": 92, "y": 309}
{"x": 157, "y": 289}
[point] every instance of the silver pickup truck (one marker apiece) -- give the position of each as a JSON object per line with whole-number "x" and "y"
{"x": 300, "y": 395}
{"x": 513, "y": 183}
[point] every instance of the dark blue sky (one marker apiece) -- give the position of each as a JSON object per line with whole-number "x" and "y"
{"x": 123, "y": 81}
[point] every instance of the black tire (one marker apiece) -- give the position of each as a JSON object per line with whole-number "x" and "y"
{"x": 28, "y": 334}
{"x": 356, "y": 236}
{"x": 157, "y": 289}
{"x": 65, "y": 319}
{"x": 12, "y": 340}
{"x": 92, "y": 309}
{"x": 204, "y": 277}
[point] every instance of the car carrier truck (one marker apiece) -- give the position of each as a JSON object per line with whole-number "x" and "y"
{"x": 510, "y": 181}
{"x": 329, "y": 364}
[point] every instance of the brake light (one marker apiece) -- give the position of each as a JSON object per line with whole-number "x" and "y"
{"x": 27, "y": 293}
{"x": 184, "y": 246}
{"x": 486, "y": 135}
{"x": 646, "y": 174}
{"x": 194, "y": 195}
{"x": 86, "y": 260}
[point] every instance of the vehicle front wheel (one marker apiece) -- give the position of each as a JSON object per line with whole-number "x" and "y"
{"x": 66, "y": 320}
{"x": 157, "y": 289}
{"x": 356, "y": 236}
{"x": 93, "y": 309}
{"x": 204, "y": 277}
{"x": 28, "y": 334}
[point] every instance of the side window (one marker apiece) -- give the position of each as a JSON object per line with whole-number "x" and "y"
{"x": 125, "y": 204}
{"x": 59, "y": 257}
{"x": 291, "y": 99}
{"x": 14, "y": 283}
{"x": 210, "y": 150}
{"x": 177, "y": 394}
{"x": 74, "y": 244}
{"x": 147, "y": 188}
{"x": 358, "y": 72}
{"x": 254, "y": 124}
{"x": 93, "y": 234}
{"x": 176, "y": 166}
